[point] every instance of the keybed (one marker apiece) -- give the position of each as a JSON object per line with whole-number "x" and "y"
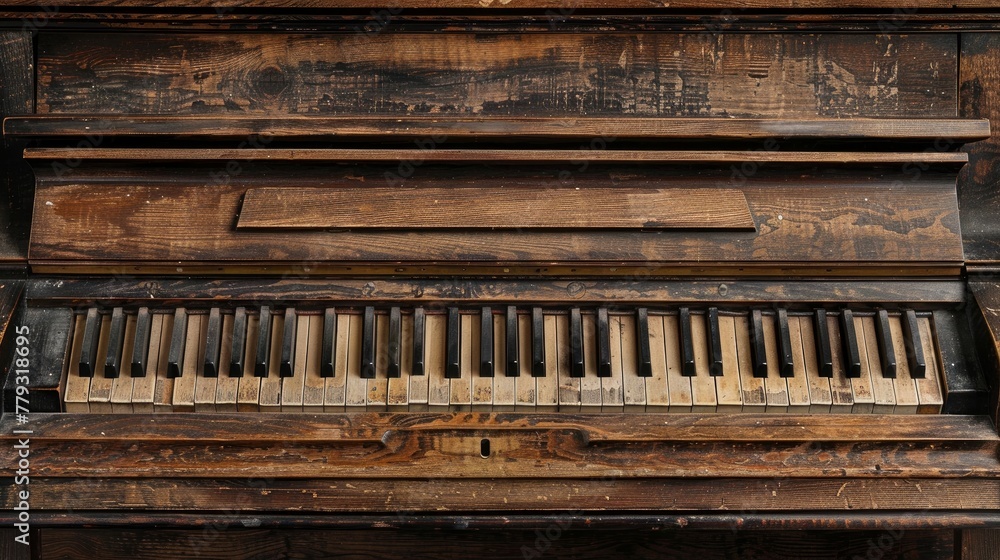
{"x": 708, "y": 360}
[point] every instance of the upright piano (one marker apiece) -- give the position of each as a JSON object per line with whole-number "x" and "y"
{"x": 317, "y": 278}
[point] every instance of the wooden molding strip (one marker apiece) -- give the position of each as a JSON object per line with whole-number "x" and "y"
{"x": 374, "y": 427}
{"x": 311, "y": 208}
{"x": 442, "y": 128}
{"x": 488, "y": 155}
{"x": 491, "y": 5}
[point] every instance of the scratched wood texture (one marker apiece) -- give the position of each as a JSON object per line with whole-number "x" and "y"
{"x": 563, "y": 538}
{"x": 16, "y": 98}
{"x": 719, "y": 75}
{"x": 858, "y": 220}
{"x": 979, "y": 544}
{"x": 979, "y": 182}
{"x": 227, "y": 5}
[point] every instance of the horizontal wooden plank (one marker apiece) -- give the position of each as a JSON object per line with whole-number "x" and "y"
{"x": 574, "y": 537}
{"x": 474, "y": 208}
{"x": 228, "y": 5}
{"x": 750, "y": 520}
{"x": 443, "y": 496}
{"x": 447, "y": 127}
{"x": 848, "y": 226}
{"x": 626, "y": 291}
{"x": 372, "y": 427}
{"x": 491, "y": 155}
{"x": 501, "y": 74}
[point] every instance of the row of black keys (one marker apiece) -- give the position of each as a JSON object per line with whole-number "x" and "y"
{"x": 211, "y": 366}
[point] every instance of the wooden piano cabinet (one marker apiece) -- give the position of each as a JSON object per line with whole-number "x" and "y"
{"x": 822, "y": 155}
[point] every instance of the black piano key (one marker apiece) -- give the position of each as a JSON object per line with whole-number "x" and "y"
{"x": 576, "y": 365}
{"x": 513, "y": 361}
{"x": 178, "y": 340}
{"x": 116, "y": 339}
{"x": 368, "y": 344}
{"x": 886, "y": 352}
{"x": 261, "y": 365}
{"x": 91, "y": 333}
{"x": 486, "y": 343}
{"x": 786, "y": 365}
{"x": 914, "y": 348}
{"x": 287, "y": 367}
{"x": 686, "y": 342}
{"x": 327, "y": 365}
{"x": 714, "y": 343}
{"x": 453, "y": 345}
{"x": 213, "y": 340}
{"x": 237, "y": 356}
{"x": 757, "y": 351}
{"x": 824, "y": 353}
{"x": 418, "y": 341}
{"x": 395, "y": 328}
{"x": 537, "y": 343}
{"x": 645, "y": 366}
{"x": 140, "y": 350}
{"x": 849, "y": 340}
{"x": 603, "y": 343}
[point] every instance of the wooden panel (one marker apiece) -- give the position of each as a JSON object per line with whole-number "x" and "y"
{"x": 741, "y": 498}
{"x": 561, "y": 537}
{"x": 372, "y": 427}
{"x": 16, "y": 550}
{"x": 435, "y": 130}
{"x": 577, "y": 157}
{"x": 480, "y": 208}
{"x": 979, "y": 544}
{"x": 570, "y": 446}
{"x": 17, "y": 97}
{"x": 863, "y": 223}
{"x": 495, "y": 74}
{"x": 626, "y": 291}
{"x": 979, "y": 182}
{"x": 225, "y": 6}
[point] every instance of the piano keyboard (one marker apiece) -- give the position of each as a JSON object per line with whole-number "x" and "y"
{"x": 502, "y": 359}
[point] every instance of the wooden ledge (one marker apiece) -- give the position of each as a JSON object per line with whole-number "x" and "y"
{"x": 439, "y": 129}
{"x": 512, "y": 156}
{"x": 376, "y": 427}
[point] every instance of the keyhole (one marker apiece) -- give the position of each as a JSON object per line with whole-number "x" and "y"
{"x": 484, "y": 448}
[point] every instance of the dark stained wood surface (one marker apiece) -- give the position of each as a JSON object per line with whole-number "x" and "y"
{"x": 436, "y": 130}
{"x": 495, "y": 155}
{"x": 721, "y": 75}
{"x": 844, "y": 228}
{"x": 773, "y": 493}
{"x": 979, "y": 544}
{"x": 17, "y": 97}
{"x": 561, "y": 538}
{"x": 627, "y": 291}
{"x": 498, "y": 4}
{"x": 987, "y": 296}
{"x": 474, "y": 208}
{"x": 979, "y": 182}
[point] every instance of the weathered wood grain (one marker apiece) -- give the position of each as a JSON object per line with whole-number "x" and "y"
{"x": 979, "y": 182}
{"x": 372, "y": 427}
{"x": 228, "y": 5}
{"x": 17, "y": 97}
{"x": 718, "y": 75}
{"x": 474, "y": 208}
{"x": 436, "y": 130}
{"x": 987, "y": 324}
{"x": 402, "y": 445}
{"x": 626, "y": 291}
{"x": 563, "y": 537}
{"x": 492, "y": 155}
{"x": 261, "y": 494}
{"x": 859, "y": 223}
{"x": 979, "y": 544}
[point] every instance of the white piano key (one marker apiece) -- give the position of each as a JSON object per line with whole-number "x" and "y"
{"x": 727, "y": 385}
{"x": 612, "y": 388}
{"x": 678, "y": 385}
{"x": 314, "y": 384}
{"x": 504, "y": 394}
{"x": 590, "y": 384}
{"x": 335, "y": 396}
{"x": 569, "y": 387}
{"x": 930, "y": 395}
{"x": 77, "y": 387}
{"x": 633, "y": 386}
{"x": 703, "y": 397}
{"x": 227, "y": 386}
{"x": 121, "y": 389}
